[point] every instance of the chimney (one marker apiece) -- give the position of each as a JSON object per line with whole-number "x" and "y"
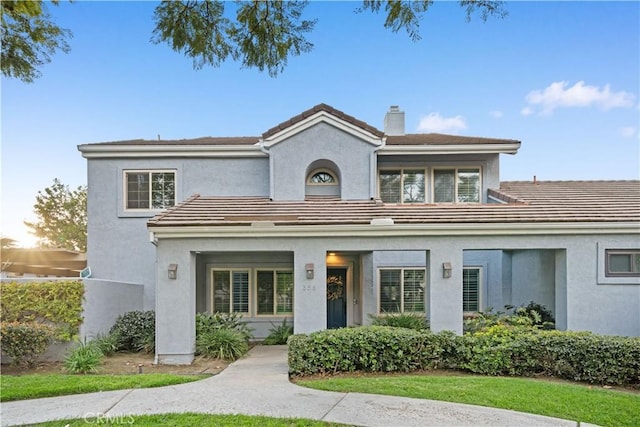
{"x": 394, "y": 121}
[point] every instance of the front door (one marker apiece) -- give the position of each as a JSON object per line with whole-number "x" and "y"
{"x": 336, "y": 298}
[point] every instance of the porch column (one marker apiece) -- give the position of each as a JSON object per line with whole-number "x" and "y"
{"x": 310, "y": 298}
{"x": 175, "y": 306}
{"x": 445, "y": 293}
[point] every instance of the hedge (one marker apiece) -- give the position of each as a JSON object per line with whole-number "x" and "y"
{"x": 499, "y": 350}
{"x": 24, "y": 342}
{"x": 56, "y": 303}
{"x": 370, "y": 349}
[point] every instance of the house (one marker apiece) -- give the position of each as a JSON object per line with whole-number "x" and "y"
{"x": 326, "y": 220}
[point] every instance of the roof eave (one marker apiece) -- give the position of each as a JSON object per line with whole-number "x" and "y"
{"x": 397, "y": 230}
{"x": 93, "y": 151}
{"x": 509, "y": 148}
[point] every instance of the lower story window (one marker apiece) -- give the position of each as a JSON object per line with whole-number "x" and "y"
{"x": 624, "y": 262}
{"x": 230, "y": 291}
{"x": 274, "y": 291}
{"x": 471, "y": 289}
{"x": 402, "y": 290}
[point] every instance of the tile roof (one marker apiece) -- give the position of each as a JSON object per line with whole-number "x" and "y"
{"x": 207, "y": 140}
{"x": 527, "y": 202}
{"x": 328, "y": 109}
{"x": 442, "y": 139}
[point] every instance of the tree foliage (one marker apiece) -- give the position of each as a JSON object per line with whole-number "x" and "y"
{"x": 266, "y": 33}
{"x": 29, "y": 38}
{"x": 61, "y": 217}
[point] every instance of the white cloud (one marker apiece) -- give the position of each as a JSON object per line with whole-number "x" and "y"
{"x": 495, "y": 114}
{"x": 434, "y": 122}
{"x": 560, "y": 95}
{"x": 526, "y": 111}
{"x": 627, "y": 131}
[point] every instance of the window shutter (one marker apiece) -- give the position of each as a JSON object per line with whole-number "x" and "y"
{"x": 241, "y": 291}
{"x": 390, "y": 186}
{"x": 471, "y": 289}
{"x": 390, "y": 291}
{"x": 468, "y": 185}
{"x": 414, "y": 283}
{"x": 221, "y": 291}
{"x": 413, "y": 186}
{"x": 284, "y": 292}
{"x": 444, "y": 181}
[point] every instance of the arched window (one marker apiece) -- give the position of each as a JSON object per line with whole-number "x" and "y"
{"x": 322, "y": 177}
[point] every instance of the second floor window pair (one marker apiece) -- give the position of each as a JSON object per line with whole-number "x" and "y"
{"x": 449, "y": 186}
{"x": 150, "y": 190}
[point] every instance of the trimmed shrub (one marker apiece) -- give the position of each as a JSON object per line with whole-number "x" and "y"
{"x": 136, "y": 331}
{"x": 57, "y": 303}
{"x": 221, "y": 343}
{"x": 24, "y": 342}
{"x": 233, "y": 321}
{"x": 402, "y": 320}
{"x": 278, "y": 335}
{"x": 83, "y": 359}
{"x": 370, "y": 349}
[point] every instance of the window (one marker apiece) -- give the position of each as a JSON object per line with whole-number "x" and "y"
{"x": 274, "y": 292}
{"x": 150, "y": 189}
{"x": 402, "y": 291}
{"x": 230, "y": 291}
{"x": 402, "y": 186}
{"x": 624, "y": 262}
{"x": 322, "y": 177}
{"x": 456, "y": 185}
{"x": 471, "y": 289}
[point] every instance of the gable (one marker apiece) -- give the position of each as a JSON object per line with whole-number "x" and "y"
{"x": 322, "y": 113}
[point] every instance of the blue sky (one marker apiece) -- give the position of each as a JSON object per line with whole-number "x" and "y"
{"x": 562, "y": 77}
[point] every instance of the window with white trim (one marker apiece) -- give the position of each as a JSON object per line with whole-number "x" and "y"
{"x": 230, "y": 291}
{"x": 622, "y": 262}
{"x": 402, "y": 290}
{"x": 402, "y": 185}
{"x": 471, "y": 289}
{"x": 456, "y": 185}
{"x": 274, "y": 292}
{"x": 149, "y": 190}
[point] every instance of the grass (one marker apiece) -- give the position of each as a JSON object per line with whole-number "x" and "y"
{"x": 569, "y": 401}
{"x": 189, "y": 419}
{"x": 19, "y": 387}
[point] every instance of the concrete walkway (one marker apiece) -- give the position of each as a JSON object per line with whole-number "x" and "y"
{"x": 259, "y": 385}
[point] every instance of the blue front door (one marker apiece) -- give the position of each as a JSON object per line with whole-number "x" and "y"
{"x": 336, "y": 298}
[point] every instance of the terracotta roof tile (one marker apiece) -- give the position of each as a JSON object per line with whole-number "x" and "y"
{"x": 207, "y": 140}
{"x": 442, "y": 139}
{"x": 553, "y": 201}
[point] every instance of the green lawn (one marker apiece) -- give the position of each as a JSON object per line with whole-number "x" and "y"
{"x": 555, "y": 399}
{"x": 19, "y": 387}
{"x": 200, "y": 420}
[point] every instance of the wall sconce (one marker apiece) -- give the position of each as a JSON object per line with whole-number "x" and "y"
{"x": 446, "y": 270}
{"x": 173, "y": 271}
{"x": 309, "y": 269}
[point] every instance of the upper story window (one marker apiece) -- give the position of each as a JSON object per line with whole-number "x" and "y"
{"x": 322, "y": 177}
{"x": 402, "y": 186}
{"x": 150, "y": 189}
{"x": 624, "y": 262}
{"x": 456, "y": 185}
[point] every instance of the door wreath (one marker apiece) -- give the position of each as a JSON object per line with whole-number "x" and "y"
{"x": 335, "y": 288}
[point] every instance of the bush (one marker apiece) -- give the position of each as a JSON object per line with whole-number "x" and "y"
{"x": 136, "y": 331}
{"x": 107, "y": 343}
{"x": 24, "y": 342}
{"x": 56, "y": 303}
{"x": 83, "y": 359}
{"x": 371, "y": 349}
{"x": 278, "y": 335}
{"x": 222, "y": 343}
{"x": 539, "y": 314}
{"x": 233, "y": 321}
{"x": 402, "y": 320}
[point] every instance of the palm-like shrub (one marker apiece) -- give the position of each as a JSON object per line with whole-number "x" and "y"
{"x": 222, "y": 343}
{"x": 278, "y": 335}
{"x": 83, "y": 359}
